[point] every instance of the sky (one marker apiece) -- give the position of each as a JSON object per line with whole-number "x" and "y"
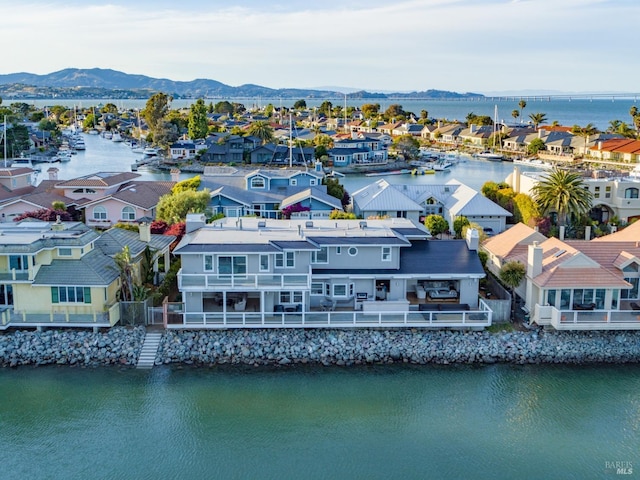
{"x": 482, "y": 46}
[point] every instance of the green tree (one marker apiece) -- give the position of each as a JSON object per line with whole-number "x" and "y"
{"x": 394, "y": 111}
{"x": 173, "y": 208}
{"x": 511, "y": 274}
{"x": 537, "y": 119}
{"x": 325, "y": 108}
{"x": 223, "y": 107}
{"x": 300, "y": 105}
{"x": 110, "y": 108}
{"x": 635, "y": 117}
{"x": 370, "y": 110}
{"x": 521, "y": 104}
{"x": 584, "y": 132}
{"x": 124, "y": 264}
{"x": 185, "y": 185}
{"x": 198, "y": 122}
{"x": 525, "y": 210}
{"x": 458, "y": 224}
{"x": 406, "y": 145}
{"x": 154, "y": 113}
{"x": 515, "y": 114}
{"x": 337, "y": 190}
{"x": 436, "y": 224}
{"x": 47, "y": 125}
{"x": 563, "y": 192}
{"x": 262, "y": 130}
{"x": 89, "y": 121}
{"x": 536, "y": 145}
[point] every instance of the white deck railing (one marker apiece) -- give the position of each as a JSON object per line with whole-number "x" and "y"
{"x": 216, "y": 281}
{"x": 351, "y": 319}
{"x": 587, "y": 319}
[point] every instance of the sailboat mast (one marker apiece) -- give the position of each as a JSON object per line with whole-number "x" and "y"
{"x": 4, "y": 141}
{"x": 290, "y": 142}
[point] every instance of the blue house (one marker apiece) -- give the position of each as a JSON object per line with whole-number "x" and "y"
{"x": 269, "y": 193}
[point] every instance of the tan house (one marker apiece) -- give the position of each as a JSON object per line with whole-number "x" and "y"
{"x": 573, "y": 284}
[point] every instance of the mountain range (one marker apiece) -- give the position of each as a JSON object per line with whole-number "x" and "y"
{"x": 107, "y": 83}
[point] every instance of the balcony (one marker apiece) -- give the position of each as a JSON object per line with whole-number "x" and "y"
{"x": 587, "y": 319}
{"x": 190, "y": 282}
{"x": 346, "y": 318}
{"x": 64, "y": 318}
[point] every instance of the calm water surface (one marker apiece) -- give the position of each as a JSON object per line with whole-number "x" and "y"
{"x": 501, "y": 422}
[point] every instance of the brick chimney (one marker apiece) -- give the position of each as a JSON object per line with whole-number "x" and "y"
{"x": 534, "y": 260}
{"x": 53, "y": 173}
{"x": 175, "y": 175}
{"x": 472, "y": 239}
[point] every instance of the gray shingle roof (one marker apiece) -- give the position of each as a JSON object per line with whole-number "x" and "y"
{"x": 113, "y": 240}
{"x": 93, "y": 269}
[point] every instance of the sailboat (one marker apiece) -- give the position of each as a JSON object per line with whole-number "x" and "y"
{"x": 94, "y": 130}
{"x": 490, "y": 154}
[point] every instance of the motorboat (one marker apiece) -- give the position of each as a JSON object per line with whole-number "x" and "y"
{"x": 441, "y": 166}
{"x": 489, "y": 155}
{"x": 116, "y": 137}
{"x": 150, "y": 151}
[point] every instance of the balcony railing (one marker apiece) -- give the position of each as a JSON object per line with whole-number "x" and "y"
{"x": 265, "y": 281}
{"x": 587, "y": 319}
{"x": 351, "y": 319}
{"x": 11, "y": 318}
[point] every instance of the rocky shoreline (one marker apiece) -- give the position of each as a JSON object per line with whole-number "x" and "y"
{"x": 121, "y": 346}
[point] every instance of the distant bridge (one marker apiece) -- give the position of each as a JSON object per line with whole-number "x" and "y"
{"x": 533, "y": 98}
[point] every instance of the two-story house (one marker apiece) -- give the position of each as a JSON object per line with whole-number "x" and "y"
{"x": 267, "y": 192}
{"x": 251, "y": 272}
{"x": 358, "y": 152}
{"x": 63, "y": 274}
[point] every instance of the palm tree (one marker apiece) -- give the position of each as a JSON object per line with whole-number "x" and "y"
{"x": 515, "y": 114}
{"x": 522, "y": 104}
{"x": 563, "y": 192}
{"x": 511, "y": 274}
{"x": 262, "y": 130}
{"x": 584, "y": 132}
{"x": 635, "y": 117}
{"x": 537, "y": 119}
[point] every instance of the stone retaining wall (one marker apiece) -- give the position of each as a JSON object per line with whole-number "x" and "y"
{"x": 121, "y": 346}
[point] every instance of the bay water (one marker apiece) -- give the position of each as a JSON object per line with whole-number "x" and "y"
{"x": 385, "y": 422}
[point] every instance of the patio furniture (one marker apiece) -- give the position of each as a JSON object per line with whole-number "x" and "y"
{"x": 328, "y": 305}
{"x": 442, "y": 293}
{"x": 421, "y": 293}
{"x": 240, "y": 305}
{"x": 634, "y": 306}
{"x": 584, "y": 306}
{"x": 278, "y": 308}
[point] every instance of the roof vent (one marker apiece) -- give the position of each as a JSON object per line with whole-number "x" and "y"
{"x": 308, "y": 224}
{"x": 363, "y": 225}
{"x": 558, "y": 253}
{"x": 262, "y": 224}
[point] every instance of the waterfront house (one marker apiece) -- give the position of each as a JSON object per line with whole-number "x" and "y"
{"x": 450, "y": 200}
{"x": 62, "y": 274}
{"x": 266, "y": 192}
{"x": 253, "y": 272}
{"x": 619, "y": 150}
{"x": 613, "y": 196}
{"x": 358, "y": 152}
{"x": 573, "y": 284}
{"x": 185, "y": 149}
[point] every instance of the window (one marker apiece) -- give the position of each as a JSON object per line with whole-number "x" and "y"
{"x": 386, "y": 254}
{"x": 631, "y": 193}
{"x": 317, "y": 288}
{"x": 264, "y": 263}
{"x": 291, "y": 297}
{"x": 236, "y": 265}
{"x": 19, "y": 263}
{"x": 257, "y": 182}
{"x": 70, "y": 295}
{"x": 353, "y": 251}
{"x": 313, "y": 182}
{"x": 338, "y": 250}
{"x": 128, "y": 213}
{"x": 64, "y": 252}
{"x": 99, "y": 213}
{"x": 293, "y": 182}
{"x": 340, "y": 290}
{"x": 321, "y": 256}
{"x": 286, "y": 259}
{"x": 208, "y": 263}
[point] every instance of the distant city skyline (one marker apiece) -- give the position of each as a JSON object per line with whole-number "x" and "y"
{"x": 480, "y": 46}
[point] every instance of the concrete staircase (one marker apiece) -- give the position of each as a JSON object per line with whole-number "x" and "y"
{"x": 149, "y": 349}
